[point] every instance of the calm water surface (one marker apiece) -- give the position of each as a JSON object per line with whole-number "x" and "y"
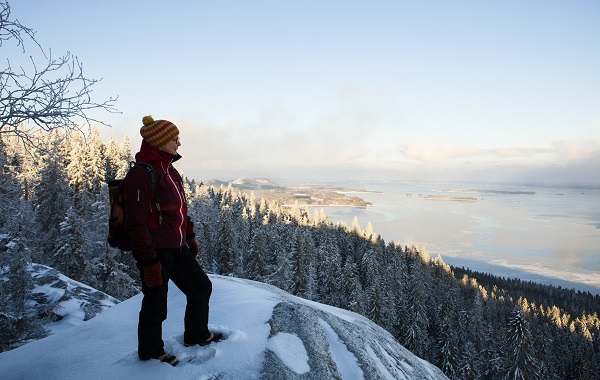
{"x": 548, "y": 235}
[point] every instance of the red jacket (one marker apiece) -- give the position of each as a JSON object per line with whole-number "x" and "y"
{"x": 141, "y": 218}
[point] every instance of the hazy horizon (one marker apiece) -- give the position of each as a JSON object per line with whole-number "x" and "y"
{"x": 288, "y": 180}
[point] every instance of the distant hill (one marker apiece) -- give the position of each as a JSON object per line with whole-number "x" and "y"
{"x": 247, "y": 184}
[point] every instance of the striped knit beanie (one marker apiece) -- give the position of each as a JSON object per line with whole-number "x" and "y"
{"x": 158, "y": 133}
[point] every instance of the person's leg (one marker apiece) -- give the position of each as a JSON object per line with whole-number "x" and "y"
{"x": 153, "y": 312}
{"x": 188, "y": 275}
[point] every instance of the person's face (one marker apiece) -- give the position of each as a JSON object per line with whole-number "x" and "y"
{"x": 171, "y": 146}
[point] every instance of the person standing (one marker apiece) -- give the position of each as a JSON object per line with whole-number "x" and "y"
{"x": 164, "y": 244}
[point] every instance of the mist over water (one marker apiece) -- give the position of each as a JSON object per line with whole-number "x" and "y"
{"x": 549, "y": 235}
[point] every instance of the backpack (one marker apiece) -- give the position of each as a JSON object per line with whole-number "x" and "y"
{"x": 117, "y": 236}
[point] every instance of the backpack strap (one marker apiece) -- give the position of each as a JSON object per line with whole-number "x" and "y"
{"x": 153, "y": 179}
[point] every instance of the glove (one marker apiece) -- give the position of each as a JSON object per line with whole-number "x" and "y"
{"x": 153, "y": 274}
{"x": 193, "y": 244}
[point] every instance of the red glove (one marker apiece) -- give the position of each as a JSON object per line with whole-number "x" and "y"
{"x": 153, "y": 274}
{"x": 193, "y": 244}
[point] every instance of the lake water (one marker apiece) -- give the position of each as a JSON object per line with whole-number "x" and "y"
{"x": 544, "y": 234}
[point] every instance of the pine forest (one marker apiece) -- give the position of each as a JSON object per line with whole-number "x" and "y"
{"x": 54, "y": 211}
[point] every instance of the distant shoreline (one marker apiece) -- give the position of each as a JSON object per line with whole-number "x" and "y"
{"x": 448, "y": 198}
{"x": 500, "y": 192}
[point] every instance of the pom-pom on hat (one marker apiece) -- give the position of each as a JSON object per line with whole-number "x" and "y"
{"x": 158, "y": 133}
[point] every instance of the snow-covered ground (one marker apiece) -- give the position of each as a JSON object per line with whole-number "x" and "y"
{"x": 269, "y": 334}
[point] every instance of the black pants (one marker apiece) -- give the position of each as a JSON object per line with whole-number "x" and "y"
{"x": 182, "y": 268}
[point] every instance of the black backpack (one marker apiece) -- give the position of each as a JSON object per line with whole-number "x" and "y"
{"x": 117, "y": 236}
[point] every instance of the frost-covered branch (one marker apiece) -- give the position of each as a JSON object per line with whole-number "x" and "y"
{"x": 46, "y": 95}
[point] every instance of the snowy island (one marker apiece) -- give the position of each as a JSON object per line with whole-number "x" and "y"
{"x": 301, "y": 194}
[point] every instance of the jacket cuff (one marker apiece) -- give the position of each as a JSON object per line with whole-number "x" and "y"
{"x": 149, "y": 261}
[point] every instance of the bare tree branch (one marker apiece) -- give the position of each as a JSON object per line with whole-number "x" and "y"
{"x": 13, "y": 30}
{"x": 53, "y": 95}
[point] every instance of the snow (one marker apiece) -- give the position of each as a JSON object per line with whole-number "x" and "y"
{"x": 380, "y": 364}
{"x": 52, "y": 293}
{"x": 73, "y": 315}
{"x": 326, "y": 346}
{"x": 344, "y": 359}
{"x": 290, "y": 349}
{"x": 69, "y": 298}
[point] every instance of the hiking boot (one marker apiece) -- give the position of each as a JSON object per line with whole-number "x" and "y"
{"x": 166, "y": 358}
{"x": 216, "y": 337}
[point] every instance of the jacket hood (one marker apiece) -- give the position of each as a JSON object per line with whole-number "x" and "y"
{"x": 150, "y": 154}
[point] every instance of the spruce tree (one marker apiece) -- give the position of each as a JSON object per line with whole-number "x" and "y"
{"x": 331, "y": 270}
{"x": 488, "y": 361}
{"x": 51, "y": 197}
{"x": 282, "y": 276}
{"x": 114, "y": 276}
{"x": 224, "y": 254}
{"x": 413, "y": 314}
{"x": 69, "y": 254}
{"x": 351, "y": 288}
{"x": 9, "y": 188}
{"x": 117, "y": 159}
{"x": 87, "y": 162}
{"x": 18, "y": 322}
{"x": 521, "y": 363}
{"x": 448, "y": 340}
{"x": 299, "y": 269}
{"x": 256, "y": 263}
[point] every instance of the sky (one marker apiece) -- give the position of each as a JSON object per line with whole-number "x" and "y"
{"x": 105, "y": 347}
{"x": 495, "y": 91}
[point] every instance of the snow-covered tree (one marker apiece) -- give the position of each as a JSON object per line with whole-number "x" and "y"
{"x": 51, "y": 197}
{"x": 117, "y": 159}
{"x": 351, "y": 288}
{"x": 225, "y": 254}
{"x": 331, "y": 270}
{"x": 257, "y": 261}
{"x": 69, "y": 254}
{"x": 448, "y": 340}
{"x": 372, "y": 285}
{"x": 489, "y": 360}
{"x": 299, "y": 263}
{"x": 519, "y": 351}
{"x": 115, "y": 273}
{"x": 282, "y": 276}
{"x": 413, "y": 313}
{"x": 86, "y": 170}
{"x": 17, "y": 323}
{"x": 9, "y": 188}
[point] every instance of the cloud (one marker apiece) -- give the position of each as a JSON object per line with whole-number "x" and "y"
{"x": 519, "y": 152}
{"x": 576, "y": 151}
{"x": 278, "y": 137}
{"x": 560, "y": 152}
{"x": 433, "y": 152}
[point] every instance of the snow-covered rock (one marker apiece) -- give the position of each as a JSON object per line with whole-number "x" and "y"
{"x": 269, "y": 334}
{"x": 70, "y": 301}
